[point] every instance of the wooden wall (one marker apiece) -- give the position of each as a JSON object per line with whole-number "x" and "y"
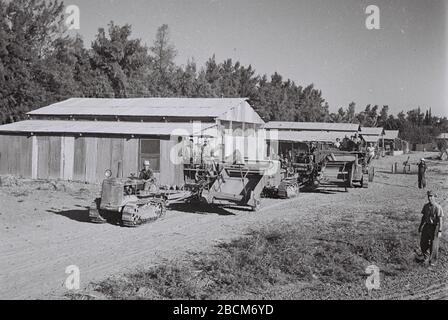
{"x": 93, "y": 156}
{"x": 171, "y": 173}
{"x": 80, "y": 158}
{"x": 15, "y": 155}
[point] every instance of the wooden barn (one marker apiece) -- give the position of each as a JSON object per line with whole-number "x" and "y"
{"x": 374, "y": 135}
{"x": 79, "y": 138}
{"x": 393, "y": 145}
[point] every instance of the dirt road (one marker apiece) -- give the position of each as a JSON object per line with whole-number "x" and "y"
{"x": 44, "y": 228}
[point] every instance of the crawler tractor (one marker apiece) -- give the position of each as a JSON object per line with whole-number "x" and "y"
{"x": 283, "y": 185}
{"x": 128, "y": 202}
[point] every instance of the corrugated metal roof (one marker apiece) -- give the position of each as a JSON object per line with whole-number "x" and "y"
{"x": 377, "y": 131}
{"x": 371, "y": 138}
{"x": 178, "y": 107}
{"x": 307, "y": 136}
{"x": 318, "y": 126}
{"x": 390, "y": 134}
{"x": 106, "y": 127}
{"x": 443, "y": 135}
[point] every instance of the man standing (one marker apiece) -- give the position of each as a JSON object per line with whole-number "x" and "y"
{"x": 431, "y": 229}
{"x": 370, "y": 152}
{"x": 421, "y": 174}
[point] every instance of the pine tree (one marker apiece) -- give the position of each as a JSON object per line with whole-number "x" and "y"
{"x": 121, "y": 59}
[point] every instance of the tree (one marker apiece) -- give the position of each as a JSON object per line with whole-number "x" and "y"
{"x": 40, "y": 64}
{"x": 212, "y": 76}
{"x": 28, "y": 32}
{"x": 186, "y": 80}
{"x": 350, "y": 115}
{"x": 339, "y": 116}
{"x": 163, "y": 54}
{"x": 121, "y": 59}
{"x": 247, "y": 82}
{"x": 442, "y": 145}
{"x": 383, "y": 116}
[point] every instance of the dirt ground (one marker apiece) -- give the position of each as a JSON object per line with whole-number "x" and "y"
{"x": 44, "y": 229}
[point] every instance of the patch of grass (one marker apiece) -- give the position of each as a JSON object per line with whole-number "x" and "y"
{"x": 334, "y": 254}
{"x": 168, "y": 281}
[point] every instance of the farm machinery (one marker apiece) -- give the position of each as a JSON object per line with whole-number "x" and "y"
{"x": 334, "y": 168}
{"x": 132, "y": 202}
{"x": 284, "y": 184}
{"x": 128, "y": 201}
{"x": 227, "y": 184}
{"x": 320, "y": 167}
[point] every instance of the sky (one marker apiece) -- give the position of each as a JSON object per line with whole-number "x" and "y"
{"x": 324, "y": 42}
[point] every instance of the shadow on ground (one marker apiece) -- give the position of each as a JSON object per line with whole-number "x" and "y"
{"x": 389, "y": 172}
{"x": 80, "y": 215}
{"x": 325, "y": 191}
{"x": 200, "y": 209}
{"x": 397, "y": 185}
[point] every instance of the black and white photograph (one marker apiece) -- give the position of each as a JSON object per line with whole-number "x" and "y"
{"x": 223, "y": 150}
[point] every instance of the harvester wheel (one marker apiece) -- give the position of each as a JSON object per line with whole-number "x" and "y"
{"x": 364, "y": 182}
{"x": 350, "y": 178}
{"x": 292, "y": 190}
{"x": 161, "y": 209}
{"x": 256, "y": 206}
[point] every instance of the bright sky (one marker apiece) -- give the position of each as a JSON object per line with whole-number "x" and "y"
{"x": 325, "y": 42}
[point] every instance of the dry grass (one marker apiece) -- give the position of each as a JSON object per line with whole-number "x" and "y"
{"x": 335, "y": 255}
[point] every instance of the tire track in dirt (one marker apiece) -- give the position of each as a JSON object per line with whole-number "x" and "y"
{"x": 170, "y": 237}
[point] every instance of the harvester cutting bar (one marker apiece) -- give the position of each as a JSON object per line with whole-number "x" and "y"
{"x": 237, "y": 184}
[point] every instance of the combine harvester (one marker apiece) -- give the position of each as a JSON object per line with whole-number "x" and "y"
{"x": 326, "y": 167}
{"x": 128, "y": 202}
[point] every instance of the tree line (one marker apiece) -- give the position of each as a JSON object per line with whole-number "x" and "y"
{"x": 41, "y": 64}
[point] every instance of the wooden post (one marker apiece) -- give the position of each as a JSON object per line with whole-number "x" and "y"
{"x": 34, "y": 157}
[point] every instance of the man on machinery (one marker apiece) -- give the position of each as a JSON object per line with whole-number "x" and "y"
{"x": 147, "y": 174}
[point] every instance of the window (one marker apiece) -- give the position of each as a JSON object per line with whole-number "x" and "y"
{"x": 150, "y": 150}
